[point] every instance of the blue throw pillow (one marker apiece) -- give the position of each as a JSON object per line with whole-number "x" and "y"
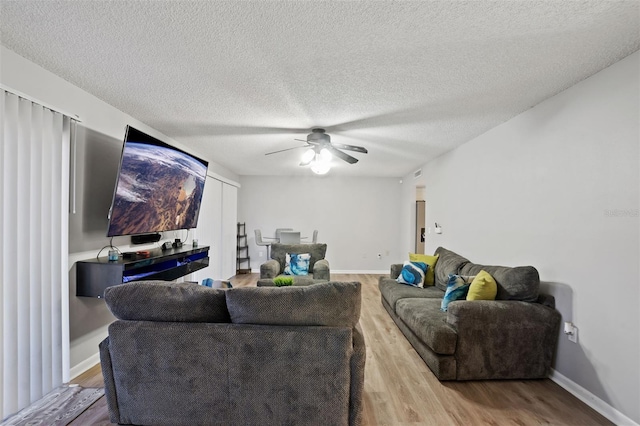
{"x": 413, "y": 273}
{"x": 457, "y": 289}
{"x": 297, "y": 264}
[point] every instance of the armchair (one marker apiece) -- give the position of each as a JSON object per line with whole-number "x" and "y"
{"x": 319, "y": 270}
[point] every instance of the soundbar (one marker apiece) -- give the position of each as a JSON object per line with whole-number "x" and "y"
{"x": 145, "y": 238}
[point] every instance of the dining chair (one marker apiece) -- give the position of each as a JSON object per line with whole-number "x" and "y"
{"x": 279, "y": 230}
{"x": 314, "y": 238}
{"x": 290, "y": 237}
{"x": 261, "y": 242}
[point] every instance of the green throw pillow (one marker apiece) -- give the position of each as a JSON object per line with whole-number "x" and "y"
{"x": 483, "y": 287}
{"x": 430, "y": 277}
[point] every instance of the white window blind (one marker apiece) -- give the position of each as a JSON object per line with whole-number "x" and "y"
{"x": 34, "y": 193}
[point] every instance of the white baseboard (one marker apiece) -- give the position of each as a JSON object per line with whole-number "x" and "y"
{"x": 78, "y": 369}
{"x": 591, "y": 400}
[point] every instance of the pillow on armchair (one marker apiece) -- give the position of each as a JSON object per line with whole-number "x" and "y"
{"x": 297, "y": 264}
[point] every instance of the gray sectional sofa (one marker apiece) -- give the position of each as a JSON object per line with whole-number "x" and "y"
{"x": 181, "y": 353}
{"x": 512, "y": 337}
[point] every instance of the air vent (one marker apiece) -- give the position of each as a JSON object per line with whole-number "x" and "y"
{"x": 417, "y": 173}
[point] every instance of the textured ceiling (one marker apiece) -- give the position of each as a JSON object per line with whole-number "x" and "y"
{"x": 234, "y": 80}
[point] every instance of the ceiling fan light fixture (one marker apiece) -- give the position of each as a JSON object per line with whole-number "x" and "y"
{"x": 320, "y": 167}
{"x": 319, "y": 151}
{"x": 325, "y": 155}
{"x": 308, "y": 156}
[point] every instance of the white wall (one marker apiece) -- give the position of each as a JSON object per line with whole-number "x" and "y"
{"x": 99, "y": 140}
{"x": 357, "y": 217}
{"x": 557, "y": 187}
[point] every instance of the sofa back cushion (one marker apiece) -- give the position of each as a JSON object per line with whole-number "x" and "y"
{"x": 167, "y": 301}
{"x": 448, "y": 263}
{"x": 279, "y": 253}
{"x": 330, "y": 304}
{"x": 518, "y": 283}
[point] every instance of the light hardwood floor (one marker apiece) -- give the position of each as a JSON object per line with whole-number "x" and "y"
{"x": 401, "y": 390}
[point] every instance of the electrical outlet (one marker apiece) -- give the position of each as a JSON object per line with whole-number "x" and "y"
{"x": 571, "y": 331}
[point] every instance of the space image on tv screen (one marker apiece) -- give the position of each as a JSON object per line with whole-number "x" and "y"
{"x": 159, "y": 189}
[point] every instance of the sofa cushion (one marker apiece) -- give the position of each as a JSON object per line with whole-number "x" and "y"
{"x": 428, "y": 323}
{"x": 412, "y": 274}
{"x": 391, "y": 291}
{"x": 166, "y": 301}
{"x": 330, "y": 303}
{"x": 279, "y": 253}
{"x": 448, "y": 263}
{"x": 519, "y": 283}
{"x": 429, "y": 260}
{"x": 483, "y": 287}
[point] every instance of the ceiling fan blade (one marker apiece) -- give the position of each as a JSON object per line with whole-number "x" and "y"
{"x": 351, "y": 147}
{"x": 287, "y": 149}
{"x": 343, "y": 156}
{"x": 316, "y": 143}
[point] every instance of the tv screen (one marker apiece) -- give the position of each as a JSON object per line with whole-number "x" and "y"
{"x": 159, "y": 187}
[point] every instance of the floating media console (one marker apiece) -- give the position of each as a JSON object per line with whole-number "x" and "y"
{"x": 93, "y": 276}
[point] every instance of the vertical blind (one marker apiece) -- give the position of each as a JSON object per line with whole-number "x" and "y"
{"x": 34, "y": 193}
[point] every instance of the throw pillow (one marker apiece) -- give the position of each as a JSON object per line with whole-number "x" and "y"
{"x": 430, "y": 278}
{"x": 457, "y": 289}
{"x": 413, "y": 273}
{"x": 483, "y": 287}
{"x": 297, "y": 264}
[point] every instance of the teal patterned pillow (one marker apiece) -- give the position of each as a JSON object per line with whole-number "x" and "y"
{"x": 457, "y": 289}
{"x": 413, "y": 273}
{"x": 297, "y": 264}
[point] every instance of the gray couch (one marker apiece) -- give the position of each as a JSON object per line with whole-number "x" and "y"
{"x": 181, "y": 353}
{"x": 512, "y": 337}
{"x": 319, "y": 270}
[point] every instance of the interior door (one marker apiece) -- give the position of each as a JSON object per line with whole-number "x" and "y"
{"x": 209, "y": 230}
{"x": 420, "y": 221}
{"x": 229, "y": 230}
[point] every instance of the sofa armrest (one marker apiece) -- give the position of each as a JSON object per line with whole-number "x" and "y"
{"x": 396, "y": 268}
{"x": 270, "y": 269}
{"x": 503, "y": 339}
{"x": 547, "y": 300}
{"x": 358, "y": 359}
{"x": 109, "y": 381}
{"x": 321, "y": 270}
{"x": 482, "y": 314}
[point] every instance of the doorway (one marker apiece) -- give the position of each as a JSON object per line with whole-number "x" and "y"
{"x": 420, "y": 220}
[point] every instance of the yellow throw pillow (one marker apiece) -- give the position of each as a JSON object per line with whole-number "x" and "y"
{"x": 429, "y": 278}
{"x": 483, "y": 287}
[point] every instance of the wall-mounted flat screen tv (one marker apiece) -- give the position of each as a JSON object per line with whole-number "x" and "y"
{"x": 159, "y": 187}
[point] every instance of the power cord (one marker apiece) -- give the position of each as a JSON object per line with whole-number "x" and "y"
{"x": 110, "y": 246}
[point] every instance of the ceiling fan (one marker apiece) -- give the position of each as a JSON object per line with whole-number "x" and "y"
{"x": 317, "y": 141}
